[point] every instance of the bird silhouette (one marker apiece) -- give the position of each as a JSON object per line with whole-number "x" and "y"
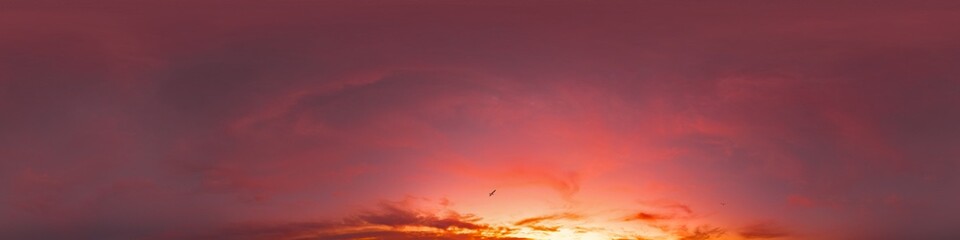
{"x": 491, "y": 193}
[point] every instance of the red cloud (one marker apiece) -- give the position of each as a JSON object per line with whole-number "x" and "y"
{"x": 763, "y": 231}
{"x": 797, "y": 200}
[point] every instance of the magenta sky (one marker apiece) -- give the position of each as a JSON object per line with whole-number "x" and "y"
{"x": 394, "y": 119}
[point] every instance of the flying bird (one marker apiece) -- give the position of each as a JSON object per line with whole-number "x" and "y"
{"x": 491, "y": 193}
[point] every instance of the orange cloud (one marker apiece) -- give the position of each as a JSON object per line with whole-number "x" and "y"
{"x": 643, "y": 216}
{"x": 702, "y": 232}
{"x": 391, "y": 220}
{"x": 661, "y": 210}
{"x": 535, "y": 220}
{"x": 396, "y": 217}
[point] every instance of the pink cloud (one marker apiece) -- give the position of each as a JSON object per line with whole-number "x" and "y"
{"x": 121, "y": 119}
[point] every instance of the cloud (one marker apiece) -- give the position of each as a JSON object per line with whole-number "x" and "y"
{"x": 673, "y": 218}
{"x": 263, "y": 230}
{"x": 410, "y": 236}
{"x": 648, "y": 217}
{"x": 538, "y": 219}
{"x": 661, "y": 210}
{"x": 702, "y": 232}
{"x": 801, "y": 201}
{"x": 535, "y": 223}
{"x": 120, "y": 119}
{"x": 399, "y": 214}
{"x": 405, "y": 219}
{"x": 565, "y": 184}
{"x": 311, "y": 230}
{"x": 763, "y": 231}
{"x": 667, "y": 205}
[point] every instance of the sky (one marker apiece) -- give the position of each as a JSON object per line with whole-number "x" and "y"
{"x": 369, "y": 119}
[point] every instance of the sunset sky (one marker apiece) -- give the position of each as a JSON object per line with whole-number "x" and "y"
{"x": 370, "y": 119}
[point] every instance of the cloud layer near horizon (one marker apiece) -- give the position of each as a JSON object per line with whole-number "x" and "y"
{"x": 786, "y": 120}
